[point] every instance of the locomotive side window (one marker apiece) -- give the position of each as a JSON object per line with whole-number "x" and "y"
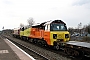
{"x": 47, "y": 27}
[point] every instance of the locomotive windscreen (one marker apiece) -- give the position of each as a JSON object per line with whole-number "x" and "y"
{"x": 58, "y": 27}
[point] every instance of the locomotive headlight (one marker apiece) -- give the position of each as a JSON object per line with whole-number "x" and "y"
{"x": 54, "y": 36}
{"x": 66, "y": 35}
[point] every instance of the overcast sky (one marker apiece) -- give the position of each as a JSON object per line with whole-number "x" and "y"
{"x": 72, "y": 12}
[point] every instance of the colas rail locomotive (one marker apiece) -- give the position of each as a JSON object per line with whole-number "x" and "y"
{"x": 52, "y": 33}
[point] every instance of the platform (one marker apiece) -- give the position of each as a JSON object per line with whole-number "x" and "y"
{"x": 77, "y": 43}
{"x": 9, "y": 51}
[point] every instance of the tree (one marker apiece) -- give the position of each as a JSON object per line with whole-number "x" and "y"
{"x": 3, "y": 27}
{"x": 87, "y": 29}
{"x": 30, "y": 21}
{"x": 21, "y": 25}
{"x": 80, "y": 25}
{"x": 71, "y": 30}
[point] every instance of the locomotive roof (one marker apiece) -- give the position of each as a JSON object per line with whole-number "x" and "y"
{"x": 54, "y": 21}
{"x": 36, "y": 24}
{"x": 49, "y": 22}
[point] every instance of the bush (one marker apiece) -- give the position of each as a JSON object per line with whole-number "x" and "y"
{"x": 86, "y": 39}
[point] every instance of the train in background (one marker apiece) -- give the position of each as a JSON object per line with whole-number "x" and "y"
{"x": 53, "y": 33}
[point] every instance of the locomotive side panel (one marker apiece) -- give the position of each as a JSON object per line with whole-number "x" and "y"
{"x": 21, "y": 33}
{"x": 47, "y": 37}
{"x": 27, "y": 32}
{"x": 33, "y": 30}
{"x": 37, "y": 33}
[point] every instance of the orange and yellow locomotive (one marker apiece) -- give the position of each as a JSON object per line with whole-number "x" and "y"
{"x": 53, "y": 33}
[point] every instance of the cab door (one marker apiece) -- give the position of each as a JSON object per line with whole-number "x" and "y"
{"x": 47, "y": 34}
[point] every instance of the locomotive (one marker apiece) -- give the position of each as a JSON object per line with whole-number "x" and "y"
{"x": 52, "y": 33}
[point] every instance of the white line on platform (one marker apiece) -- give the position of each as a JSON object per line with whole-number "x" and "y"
{"x": 21, "y": 50}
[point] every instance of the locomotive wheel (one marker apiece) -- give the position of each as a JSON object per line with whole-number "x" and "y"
{"x": 27, "y": 38}
{"x": 31, "y": 40}
{"x": 21, "y": 38}
{"x": 44, "y": 43}
{"x": 35, "y": 40}
{"x": 57, "y": 47}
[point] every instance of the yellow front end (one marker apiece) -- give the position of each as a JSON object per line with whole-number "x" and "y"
{"x": 59, "y": 36}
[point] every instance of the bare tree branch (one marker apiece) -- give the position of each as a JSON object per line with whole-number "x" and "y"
{"x": 21, "y": 25}
{"x": 30, "y": 21}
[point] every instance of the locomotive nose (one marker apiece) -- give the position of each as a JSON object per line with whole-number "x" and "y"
{"x": 60, "y": 36}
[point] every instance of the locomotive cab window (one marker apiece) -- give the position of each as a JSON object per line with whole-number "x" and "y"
{"x": 58, "y": 27}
